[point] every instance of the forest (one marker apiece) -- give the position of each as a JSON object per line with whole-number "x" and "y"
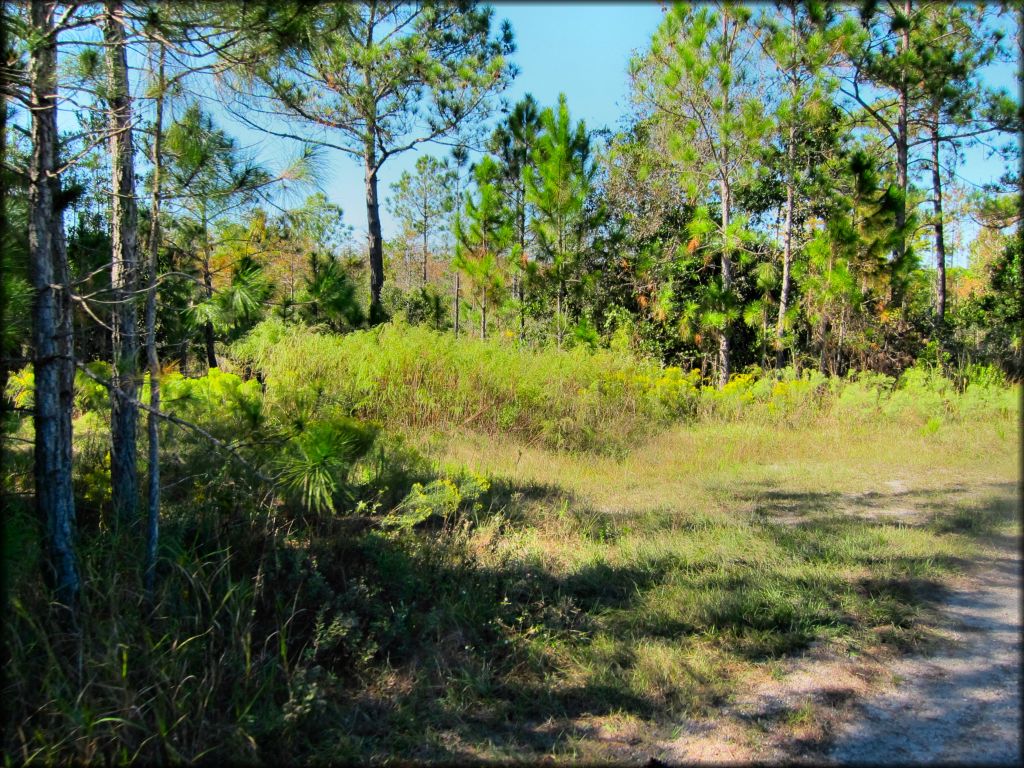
{"x": 595, "y": 435}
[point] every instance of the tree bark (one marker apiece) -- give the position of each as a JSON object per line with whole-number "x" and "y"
{"x": 424, "y": 254}
{"x": 211, "y": 350}
{"x": 52, "y": 361}
{"x": 483, "y": 312}
{"x": 3, "y": 218}
{"x": 376, "y": 245}
{"x": 558, "y": 308}
{"x": 521, "y": 212}
{"x": 153, "y": 361}
{"x": 455, "y": 311}
{"x": 940, "y": 242}
{"x": 124, "y": 272}
{"x": 723, "y": 337}
{"x": 787, "y": 250}
{"x": 902, "y": 163}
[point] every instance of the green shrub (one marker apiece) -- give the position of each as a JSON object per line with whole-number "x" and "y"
{"x": 596, "y": 400}
{"x": 414, "y": 377}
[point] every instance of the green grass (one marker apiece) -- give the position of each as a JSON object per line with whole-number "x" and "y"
{"x": 487, "y": 593}
{"x": 602, "y": 401}
{"x": 411, "y": 377}
{"x": 674, "y": 574}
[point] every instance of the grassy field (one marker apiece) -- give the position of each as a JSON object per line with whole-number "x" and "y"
{"x": 651, "y": 588}
{"x": 506, "y": 571}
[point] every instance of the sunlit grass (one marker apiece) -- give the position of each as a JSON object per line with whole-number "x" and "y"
{"x": 712, "y": 550}
{"x": 700, "y": 466}
{"x": 507, "y": 593}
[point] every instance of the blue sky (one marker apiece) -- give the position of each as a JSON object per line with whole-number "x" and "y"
{"x": 580, "y": 48}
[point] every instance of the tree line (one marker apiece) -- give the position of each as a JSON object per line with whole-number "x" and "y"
{"x": 782, "y": 193}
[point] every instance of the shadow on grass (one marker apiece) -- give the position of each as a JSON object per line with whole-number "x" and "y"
{"x": 489, "y": 654}
{"x": 414, "y": 645}
{"x": 953, "y": 508}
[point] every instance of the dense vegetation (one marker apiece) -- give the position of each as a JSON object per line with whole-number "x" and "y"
{"x": 374, "y": 585}
{"x": 524, "y": 460}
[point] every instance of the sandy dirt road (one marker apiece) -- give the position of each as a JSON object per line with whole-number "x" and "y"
{"x": 961, "y": 705}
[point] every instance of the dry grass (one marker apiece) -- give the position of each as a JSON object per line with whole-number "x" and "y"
{"x": 706, "y": 555}
{"x": 704, "y": 467}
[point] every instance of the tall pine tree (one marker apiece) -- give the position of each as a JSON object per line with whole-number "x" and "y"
{"x": 701, "y": 78}
{"x": 558, "y": 185}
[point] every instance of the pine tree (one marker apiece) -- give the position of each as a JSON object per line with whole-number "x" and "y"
{"x": 52, "y": 339}
{"x": 152, "y": 358}
{"x": 382, "y": 78}
{"x": 558, "y": 185}
{"x": 848, "y": 273}
{"x": 802, "y": 40}
{"x": 483, "y": 234}
{"x": 881, "y": 55}
{"x": 206, "y": 179}
{"x": 124, "y": 274}
{"x": 460, "y": 157}
{"x": 421, "y": 201}
{"x": 512, "y": 144}
{"x": 953, "y": 44}
{"x": 4, "y": 242}
{"x": 702, "y": 81}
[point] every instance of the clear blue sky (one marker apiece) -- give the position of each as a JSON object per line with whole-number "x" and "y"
{"x": 580, "y": 48}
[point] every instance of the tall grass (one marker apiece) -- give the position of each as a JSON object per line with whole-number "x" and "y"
{"x": 413, "y": 377}
{"x": 488, "y": 581}
{"x": 172, "y": 680}
{"x": 601, "y": 400}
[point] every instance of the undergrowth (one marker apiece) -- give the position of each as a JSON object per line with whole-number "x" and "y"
{"x": 360, "y": 599}
{"x": 602, "y": 401}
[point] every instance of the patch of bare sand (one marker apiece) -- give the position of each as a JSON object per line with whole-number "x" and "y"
{"x": 960, "y": 705}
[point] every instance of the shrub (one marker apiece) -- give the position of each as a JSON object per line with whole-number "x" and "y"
{"x": 414, "y": 377}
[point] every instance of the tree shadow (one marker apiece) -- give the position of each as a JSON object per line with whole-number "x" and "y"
{"x": 507, "y": 657}
{"x": 978, "y": 509}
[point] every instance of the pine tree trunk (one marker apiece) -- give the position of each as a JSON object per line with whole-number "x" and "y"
{"x": 940, "y": 242}
{"x": 823, "y": 329}
{"x": 3, "y": 221}
{"x": 787, "y": 251}
{"x": 153, "y": 361}
{"x": 522, "y": 307}
{"x": 208, "y": 336}
{"x": 902, "y": 165}
{"x": 764, "y": 341}
{"x": 455, "y": 311}
{"x": 424, "y": 255}
{"x": 723, "y": 337}
{"x": 376, "y": 245}
{"x": 51, "y": 319}
{"x": 522, "y": 263}
{"x": 483, "y": 313}
{"x": 124, "y": 272}
{"x": 558, "y": 310}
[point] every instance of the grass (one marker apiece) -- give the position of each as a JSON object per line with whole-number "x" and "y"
{"x": 411, "y": 377}
{"x": 712, "y": 551}
{"x": 490, "y": 593}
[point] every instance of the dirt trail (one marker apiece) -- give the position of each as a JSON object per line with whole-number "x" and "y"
{"x": 958, "y": 705}
{"x": 961, "y": 705}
